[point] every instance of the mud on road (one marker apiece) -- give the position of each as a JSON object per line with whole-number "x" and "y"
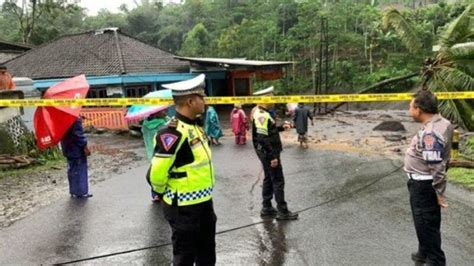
{"x": 112, "y": 154}
{"x": 23, "y": 194}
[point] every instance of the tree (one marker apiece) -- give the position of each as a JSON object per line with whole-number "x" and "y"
{"x": 142, "y": 21}
{"x": 39, "y": 21}
{"x": 452, "y": 68}
{"x": 58, "y": 18}
{"x": 26, "y": 12}
{"x": 196, "y": 42}
{"x": 105, "y": 19}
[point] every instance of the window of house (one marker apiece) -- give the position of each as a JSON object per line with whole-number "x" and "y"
{"x": 137, "y": 91}
{"x": 100, "y": 92}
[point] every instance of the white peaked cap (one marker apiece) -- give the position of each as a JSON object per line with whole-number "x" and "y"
{"x": 188, "y": 87}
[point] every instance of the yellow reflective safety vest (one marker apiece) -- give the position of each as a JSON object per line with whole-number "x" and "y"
{"x": 261, "y": 118}
{"x": 181, "y": 169}
{"x": 265, "y": 134}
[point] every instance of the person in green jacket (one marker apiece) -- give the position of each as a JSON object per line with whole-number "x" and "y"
{"x": 212, "y": 126}
{"x": 150, "y": 127}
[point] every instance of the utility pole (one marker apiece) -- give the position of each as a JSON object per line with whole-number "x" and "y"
{"x": 323, "y": 63}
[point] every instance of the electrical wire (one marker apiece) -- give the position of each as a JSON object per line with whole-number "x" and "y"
{"x": 349, "y": 194}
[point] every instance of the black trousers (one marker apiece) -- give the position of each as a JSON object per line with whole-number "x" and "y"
{"x": 193, "y": 233}
{"x": 273, "y": 183}
{"x": 427, "y": 217}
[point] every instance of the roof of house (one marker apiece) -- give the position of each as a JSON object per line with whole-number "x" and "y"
{"x": 10, "y": 50}
{"x": 236, "y": 62}
{"x": 11, "y": 46}
{"x": 94, "y": 53}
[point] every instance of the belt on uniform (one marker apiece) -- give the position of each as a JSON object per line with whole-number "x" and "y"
{"x": 177, "y": 175}
{"x": 418, "y": 177}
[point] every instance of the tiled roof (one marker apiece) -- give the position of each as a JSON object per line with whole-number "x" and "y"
{"x": 95, "y": 53}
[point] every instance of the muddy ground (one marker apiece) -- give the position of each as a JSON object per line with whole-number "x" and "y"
{"x": 112, "y": 154}
{"x": 23, "y": 194}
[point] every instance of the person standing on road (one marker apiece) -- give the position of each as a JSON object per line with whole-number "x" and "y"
{"x": 239, "y": 123}
{"x": 183, "y": 176}
{"x": 74, "y": 148}
{"x": 150, "y": 127}
{"x": 300, "y": 119}
{"x": 267, "y": 144}
{"x": 426, "y": 161}
{"x": 213, "y": 126}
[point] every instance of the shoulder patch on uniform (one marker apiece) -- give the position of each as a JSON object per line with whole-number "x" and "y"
{"x": 261, "y": 119}
{"x": 167, "y": 140}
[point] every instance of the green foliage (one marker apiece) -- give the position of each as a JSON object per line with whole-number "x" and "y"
{"x": 361, "y": 51}
{"x": 105, "y": 19}
{"x": 460, "y": 30}
{"x": 467, "y": 147}
{"x": 6, "y": 143}
{"x": 403, "y": 28}
{"x": 28, "y": 146}
{"x": 196, "y": 42}
{"x": 462, "y": 176}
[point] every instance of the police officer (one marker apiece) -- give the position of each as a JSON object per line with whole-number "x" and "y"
{"x": 183, "y": 176}
{"x": 267, "y": 144}
{"x": 425, "y": 164}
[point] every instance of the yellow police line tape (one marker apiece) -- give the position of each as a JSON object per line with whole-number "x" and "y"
{"x": 334, "y": 98}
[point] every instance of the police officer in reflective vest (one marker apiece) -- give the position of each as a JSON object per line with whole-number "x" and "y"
{"x": 267, "y": 144}
{"x": 182, "y": 174}
{"x": 425, "y": 164}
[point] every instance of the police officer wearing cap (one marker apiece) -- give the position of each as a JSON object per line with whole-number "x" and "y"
{"x": 267, "y": 144}
{"x": 426, "y": 162}
{"x": 183, "y": 176}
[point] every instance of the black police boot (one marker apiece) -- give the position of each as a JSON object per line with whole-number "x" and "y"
{"x": 418, "y": 258}
{"x": 268, "y": 211}
{"x": 286, "y": 215}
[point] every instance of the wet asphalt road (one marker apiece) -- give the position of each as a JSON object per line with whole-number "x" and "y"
{"x": 354, "y": 212}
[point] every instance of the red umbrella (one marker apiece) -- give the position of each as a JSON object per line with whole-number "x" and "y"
{"x": 51, "y": 123}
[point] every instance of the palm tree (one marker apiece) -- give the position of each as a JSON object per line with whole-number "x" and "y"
{"x": 452, "y": 68}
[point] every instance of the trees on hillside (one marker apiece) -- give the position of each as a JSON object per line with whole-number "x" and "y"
{"x": 38, "y": 21}
{"x": 451, "y": 68}
{"x": 359, "y": 53}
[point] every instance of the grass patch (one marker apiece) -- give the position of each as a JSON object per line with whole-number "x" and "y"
{"x": 48, "y": 165}
{"x": 462, "y": 176}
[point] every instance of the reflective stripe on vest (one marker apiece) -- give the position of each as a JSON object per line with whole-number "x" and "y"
{"x": 197, "y": 185}
{"x": 189, "y": 196}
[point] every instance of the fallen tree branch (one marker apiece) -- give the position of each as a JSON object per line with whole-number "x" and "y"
{"x": 11, "y": 161}
{"x": 377, "y": 85}
{"x": 461, "y": 163}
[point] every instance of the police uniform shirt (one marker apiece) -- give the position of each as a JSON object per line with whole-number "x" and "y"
{"x": 428, "y": 153}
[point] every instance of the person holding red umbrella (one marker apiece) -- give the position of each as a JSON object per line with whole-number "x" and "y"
{"x": 54, "y": 124}
{"x": 74, "y": 147}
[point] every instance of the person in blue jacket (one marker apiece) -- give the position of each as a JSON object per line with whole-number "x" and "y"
{"x": 74, "y": 147}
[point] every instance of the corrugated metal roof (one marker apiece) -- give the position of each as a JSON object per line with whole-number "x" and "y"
{"x": 234, "y": 61}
